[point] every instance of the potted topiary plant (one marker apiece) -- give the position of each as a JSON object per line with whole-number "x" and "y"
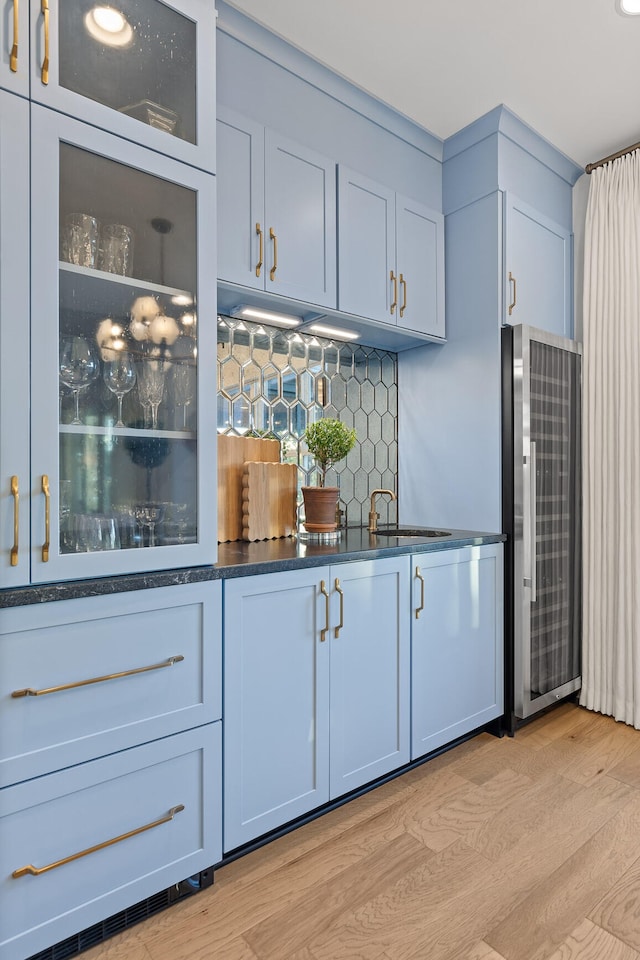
{"x": 328, "y": 441}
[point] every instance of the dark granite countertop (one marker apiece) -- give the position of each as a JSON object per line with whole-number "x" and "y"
{"x": 242, "y": 559}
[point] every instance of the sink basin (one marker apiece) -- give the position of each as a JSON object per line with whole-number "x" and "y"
{"x": 410, "y": 532}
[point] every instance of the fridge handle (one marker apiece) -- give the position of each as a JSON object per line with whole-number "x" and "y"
{"x": 533, "y": 519}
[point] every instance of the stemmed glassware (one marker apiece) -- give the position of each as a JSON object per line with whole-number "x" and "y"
{"x": 151, "y": 387}
{"x": 120, "y": 377}
{"x": 147, "y": 515}
{"x": 183, "y": 389}
{"x": 79, "y": 365}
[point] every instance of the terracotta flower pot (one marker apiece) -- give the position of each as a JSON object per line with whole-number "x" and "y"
{"x": 320, "y": 508}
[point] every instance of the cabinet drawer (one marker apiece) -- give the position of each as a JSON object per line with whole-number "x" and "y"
{"x": 62, "y": 645}
{"x": 159, "y": 804}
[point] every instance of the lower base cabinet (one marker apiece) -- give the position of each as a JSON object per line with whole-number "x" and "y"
{"x": 456, "y": 644}
{"x": 110, "y": 756}
{"x": 316, "y": 679}
{"x": 79, "y": 845}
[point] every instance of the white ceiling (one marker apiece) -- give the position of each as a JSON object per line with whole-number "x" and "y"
{"x": 569, "y": 68}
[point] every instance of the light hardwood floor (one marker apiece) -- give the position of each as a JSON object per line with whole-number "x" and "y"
{"x": 513, "y": 849}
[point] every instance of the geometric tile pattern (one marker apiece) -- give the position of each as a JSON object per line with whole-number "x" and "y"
{"x": 273, "y": 382}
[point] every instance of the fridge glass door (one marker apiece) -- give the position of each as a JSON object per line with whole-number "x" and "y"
{"x": 554, "y": 496}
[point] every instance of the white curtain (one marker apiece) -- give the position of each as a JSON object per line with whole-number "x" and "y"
{"x": 611, "y": 442}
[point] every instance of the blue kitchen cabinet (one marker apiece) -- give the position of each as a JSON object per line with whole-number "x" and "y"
{"x": 145, "y": 72}
{"x": 538, "y": 274}
{"x": 277, "y": 214}
{"x": 390, "y": 256}
{"x": 316, "y": 681}
{"x": 14, "y": 341}
{"x": 110, "y": 756}
{"x": 456, "y": 644}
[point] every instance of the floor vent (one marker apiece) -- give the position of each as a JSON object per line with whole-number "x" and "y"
{"x": 72, "y": 946}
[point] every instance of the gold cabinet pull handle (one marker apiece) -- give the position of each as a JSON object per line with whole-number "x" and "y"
{"x": 512, "y": 280}
{"x": 44, "y": 73}
{"x": 37, "y": 871}
{"x": 340, "y": 592}
{"x": 325, "y": 629}
{"x": 421, "y": 579}
{"x": 13, "y": 58}
{"x": 394, "y": 281}
{"x": 47, "y": 518}
{"x": 272, "y": 236}
{"x": 261, "y": 251}
{"x": 29, "y": 692}
{"x": 15, "y": 493}
{"x": 403, "y": 284}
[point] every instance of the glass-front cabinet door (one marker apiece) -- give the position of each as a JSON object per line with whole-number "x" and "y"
{"x": 144, "y": 69}
{"x": 123, "y": 311}
{"x": 14, "y": 341}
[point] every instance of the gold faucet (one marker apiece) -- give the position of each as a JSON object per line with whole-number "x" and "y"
{"x": 373, "y": 516}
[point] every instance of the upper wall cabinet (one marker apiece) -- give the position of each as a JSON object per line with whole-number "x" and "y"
{"x": 277, "y": 213}
{"x": 390, "y": 256}
{"x": 143, "y": 69}
{"x": 538, "y": 276}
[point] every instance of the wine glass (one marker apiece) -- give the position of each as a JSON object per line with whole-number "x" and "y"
{"x": 120, "y": 377}
{"x": 79, "y": 365}
{"x": 151, "y": 387}
{"x": 183, "y": 389}
{"x": 147, "y": 515}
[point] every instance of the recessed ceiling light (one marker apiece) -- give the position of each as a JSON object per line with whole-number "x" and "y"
{"x": 268, "y": 316}
{"x": 629, "y": 8}
{"x": 108, "y": 26}
{"x": 338, "y": 332}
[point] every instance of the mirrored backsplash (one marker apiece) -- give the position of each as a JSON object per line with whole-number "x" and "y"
{"x": 274, "y": 382}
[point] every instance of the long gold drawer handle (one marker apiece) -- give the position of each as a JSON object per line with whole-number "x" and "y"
{"x": 394, "y": 281}
{"x": 261, "y": 253}
{"x": 15, "y": 493}
{"x": 340, "y": 591}
{"x": 421, "y": 579}
{"x": 47, "y": 518}
{"x": 44, "y": 73}
{"x": 37, "y": 871}
{"x": 13, "y": 58}
{"x": 325, "y": 629}
{"x": 272, "y": 236}
{"x": 29, "y": 692}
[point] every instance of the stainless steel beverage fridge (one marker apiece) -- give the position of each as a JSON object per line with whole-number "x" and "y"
{"x": 542, "y": 518}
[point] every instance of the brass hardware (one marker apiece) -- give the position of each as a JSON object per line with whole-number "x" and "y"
{"x": 590, "y": 167}
{"x": 325, "y": 629}
{"x": 394, "y": 281}
{"x": 261, "y": 253}
{"x": 373, "y": 516}
{"x": 15, "y": 493}
{"x": 340, "y": 591}
{"x": 512, "y": 280}
{"x": 47, "y": 518}
{"x": 29, "y": 692}
{"x": 44, "y": 73}
{"x": 421, "y": 579}
{"x": 272, "y": 236}
{"x": 13, "y": 58}
{"x": 403, "y": 284}
{"x": 37, "y": 871}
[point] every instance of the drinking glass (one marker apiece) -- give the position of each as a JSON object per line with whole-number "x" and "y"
{"x": 151, "y": 388}
{"x": 79, "y": 367}
{"x": 183, "y": 389}
{"x": 116, "y": 249}
{"x": 120, "y": 377}
{"x": 147, "y": 515}
{"x": 80, "y": 239}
